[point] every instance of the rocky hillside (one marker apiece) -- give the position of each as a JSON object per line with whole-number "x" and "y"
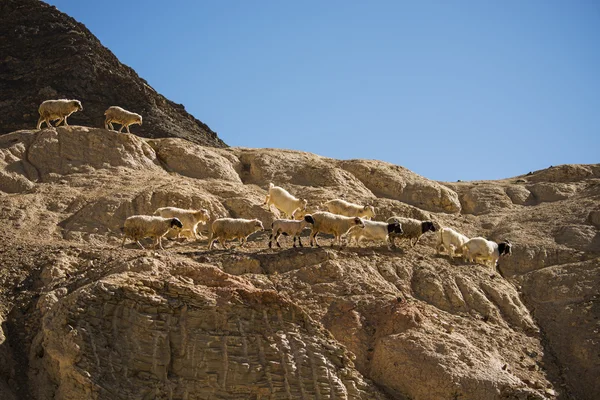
{"x": 45, "y": 54}
{"x": 82, "y": 318}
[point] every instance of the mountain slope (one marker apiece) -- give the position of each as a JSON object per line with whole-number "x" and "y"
{"x": 47, "y": 55}
{"x": 83, "y": 318}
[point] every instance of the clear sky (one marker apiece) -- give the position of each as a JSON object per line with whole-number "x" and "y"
{"x": 452, "y": 90}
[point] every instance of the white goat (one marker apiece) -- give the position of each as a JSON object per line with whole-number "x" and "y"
{"x": 138, "y": 227}
{"x": 121, "y": 116}
{"x": 483, "y": 250}
{"x": 284, "y": 201}
{"x": 343, "y": 207}
{"x": 334, "y": 224}
{"x": 189, "y": 218}
{"x": 51, "y": 110}
{"x": 374, "y": 230}
{"x": 233, "y": 228}
{"x": 450, "y": 240}
{"x": 289, "y": 227}
{"x": 413, "y": 229}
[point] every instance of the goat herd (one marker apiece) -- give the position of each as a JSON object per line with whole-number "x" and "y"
{"x": 342, "y": 218}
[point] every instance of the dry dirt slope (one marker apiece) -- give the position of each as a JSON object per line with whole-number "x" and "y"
{"x": 82, "y": 318}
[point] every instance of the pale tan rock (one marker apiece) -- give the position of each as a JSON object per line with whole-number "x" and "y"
{"x": 565, "y": 300}
{"x": 395, "y": 182}
{"x": 14, "y": 183}
{"x": 550, "y": 192}
{"x": 566, "y": 173}
{"x": 72, "y": 149}
{"x": 194, "y": 161}
{"x": 432, "y": 376}
{"x": 16, "y": 174}
{"x": 580, "y": 237}
{"x": 294, "y": 169}
{"x": 483, "y": 199}
{"x": 519, "y": 195}
{"x": 594, "y": 218}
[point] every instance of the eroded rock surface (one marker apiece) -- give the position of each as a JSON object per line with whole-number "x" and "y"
{"x": 83, "y": 318}
{"x": 395, "y": 182}
{"x": 567, "y": 305}
{"x": 191, "y": 331}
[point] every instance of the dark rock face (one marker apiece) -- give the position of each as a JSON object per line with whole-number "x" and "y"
{"x": 45, "y": 54}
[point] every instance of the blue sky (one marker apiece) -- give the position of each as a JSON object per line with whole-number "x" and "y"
{"x": 449, "y": 89}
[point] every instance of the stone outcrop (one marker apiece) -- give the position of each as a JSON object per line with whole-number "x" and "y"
{"x": 483, "y": 199}
{"x": 519, "y": 195}
{"x": 395, "y": 182}
{"x": 196, "y": 161}
{"x": 564, "y": 173}
{"x": 547, "y": 192}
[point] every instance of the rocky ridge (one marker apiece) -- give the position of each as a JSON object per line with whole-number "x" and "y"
{"x": 83, "y": 318}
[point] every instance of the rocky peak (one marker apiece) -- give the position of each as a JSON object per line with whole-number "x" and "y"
{"x": 45, "y": 54}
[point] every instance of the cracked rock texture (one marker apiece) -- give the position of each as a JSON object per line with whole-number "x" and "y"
{"x": 82, "y": 318}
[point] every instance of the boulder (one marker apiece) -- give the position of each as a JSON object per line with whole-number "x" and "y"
{"x": 195, "y": 161}
{"x": 398, "y": 183}
{"x": 483, "y": 199}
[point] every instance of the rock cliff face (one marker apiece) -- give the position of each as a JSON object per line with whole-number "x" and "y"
{"x": 83, "y": 318}
{"x": 45, "y": 54}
